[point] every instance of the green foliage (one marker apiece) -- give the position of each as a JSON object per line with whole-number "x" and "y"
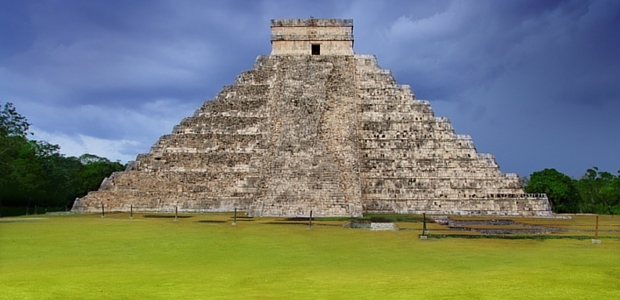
{"x": 600, "y": 191}
{"x": 560, "y": 189}
{"x": 615, "y": 210}
{"x": 35, "y": 173}
{"x": 18, "y": 167}
{"x": 595, "y": 192}
{"x": 94, "y": 170}
{"x": 13, "y": 142}
{"x": 12, "y": 123}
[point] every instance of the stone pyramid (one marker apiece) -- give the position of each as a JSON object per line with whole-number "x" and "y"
{"x": 315, "y": 127}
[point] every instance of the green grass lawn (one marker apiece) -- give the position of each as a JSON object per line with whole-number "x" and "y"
{"x": 89, "y": 257}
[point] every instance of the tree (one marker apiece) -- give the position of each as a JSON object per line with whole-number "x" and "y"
{"x": 600, "y": 191}
{"x": 35, "y": 173}
{"x": 94, "y": 170}
{"x": 61, "y": 174}
{"x": 91, "y": 158}
{"x": 14, "y": 150}
{"x": 13, "y": 133}
{"x": 615, "y": 209}
{"x": 12, "y": 123}
{"x": 560, "y": 189}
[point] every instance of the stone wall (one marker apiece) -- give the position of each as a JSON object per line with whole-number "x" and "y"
{"x": 296, "y": 36}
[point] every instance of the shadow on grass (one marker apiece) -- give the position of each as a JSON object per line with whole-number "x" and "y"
{"x": 516, "y": 237}
{"x": 165, "y": 217}
{"x": 375, "y": 218}
{"x": 19, "y": 220}
{"x": 211, "y": 221}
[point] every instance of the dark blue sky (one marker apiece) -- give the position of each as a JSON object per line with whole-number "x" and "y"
{"x": 536, "y": 83}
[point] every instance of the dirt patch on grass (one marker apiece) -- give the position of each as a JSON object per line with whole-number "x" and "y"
{"x": 15, "y": 220}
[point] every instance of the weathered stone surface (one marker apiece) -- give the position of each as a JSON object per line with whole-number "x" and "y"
{"x": 383, "y": 227}
{"x": 332, "y": 133}
{"x": 296, "y": 36}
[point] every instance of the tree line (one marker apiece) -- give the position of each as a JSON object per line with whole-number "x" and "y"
{"x": 34, "y": 173}
{"x": 595, "y": 192}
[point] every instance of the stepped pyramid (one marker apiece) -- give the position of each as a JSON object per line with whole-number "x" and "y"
{"x": 315, "y": 127}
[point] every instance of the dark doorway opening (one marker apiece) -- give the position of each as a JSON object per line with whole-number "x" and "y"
{"x": 316, "y": 49}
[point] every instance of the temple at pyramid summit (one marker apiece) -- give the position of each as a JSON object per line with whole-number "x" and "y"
{"x": 315, "y": 127}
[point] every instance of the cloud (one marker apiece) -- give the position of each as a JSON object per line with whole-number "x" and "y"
{"x": 117, "y": 133}
{"x": 469, "y": 46}
{"x": 76, "y": 145}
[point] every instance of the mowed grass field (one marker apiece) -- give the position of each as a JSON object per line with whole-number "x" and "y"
{"x": 205, "y": 257}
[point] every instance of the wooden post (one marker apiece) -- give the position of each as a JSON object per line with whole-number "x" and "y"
{"x": 176, "y": 212}
{"x": 235, "y": 218}
{"x": 102, "y": 211}
{"x": 131, "y": 211}
{"x": 424, "y": 230}
{"x": 596, "y": 229}
{"x": 310, "y": 223}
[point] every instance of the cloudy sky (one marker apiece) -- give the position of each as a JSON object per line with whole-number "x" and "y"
{"x": 536, "y": 83}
